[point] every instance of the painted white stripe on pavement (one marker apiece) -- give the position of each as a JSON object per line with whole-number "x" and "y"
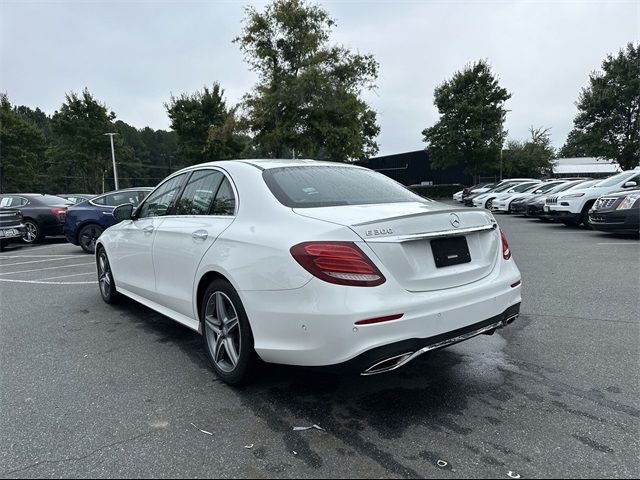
{"x": 32, "y": 261}
{"x": 72, "y": 275}
{"x": 37, "y": 256}
{"x": 620, "y": 243}
{"x": 10, "y": 280}
{"x": 48, "y": 268}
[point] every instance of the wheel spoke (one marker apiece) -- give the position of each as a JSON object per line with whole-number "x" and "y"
{"x": 231, "y": 351}
{"x": 221, "y": 309}
{"x": 217, "y": 349}
{"x": 231, "y": 323}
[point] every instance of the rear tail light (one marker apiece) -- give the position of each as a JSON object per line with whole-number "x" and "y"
{"x": 342, "y": 263}
{"x": 506, "y": 252}
{"x": 58, "y": 211}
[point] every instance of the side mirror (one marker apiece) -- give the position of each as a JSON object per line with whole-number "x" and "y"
{"x": 123, "y": 212}
{"x": 630, "y": 184}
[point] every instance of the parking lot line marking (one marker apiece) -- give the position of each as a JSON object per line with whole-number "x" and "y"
{"x": 72, "y": 275}
{"x": 36, "y": 256}
{"x": 619, "y": 243}
{"x": 32, "y": 261}
{"x": 53, "y": 245}
{"x": 12, "y": 280}
{"x": 48, "y": 268}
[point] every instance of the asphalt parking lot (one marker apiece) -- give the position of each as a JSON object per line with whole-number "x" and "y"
{"x": 90, "y": 390}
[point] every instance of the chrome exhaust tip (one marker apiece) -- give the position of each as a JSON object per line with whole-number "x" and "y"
{"x": 388, "y": 364}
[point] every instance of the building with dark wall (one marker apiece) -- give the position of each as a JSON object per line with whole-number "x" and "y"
{"x": 413, "y": 168}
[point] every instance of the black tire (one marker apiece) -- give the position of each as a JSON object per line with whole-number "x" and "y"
{"x": 584, "y": 216}
{"x": 571, "y": 223}
{"x": 106, "y": 282}
{"x": 88, "y": 235}
{"x": 2, "y": 245}
{"x": 228, "y": 343}
{"x": 33, "y": 233}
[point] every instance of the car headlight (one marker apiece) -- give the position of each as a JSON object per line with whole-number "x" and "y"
{"x": 573, "y": 195}
{"x": 628, "y": 202}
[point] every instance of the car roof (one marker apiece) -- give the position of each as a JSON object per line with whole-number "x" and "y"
{"x": 270, "y": 163}
{"x": 132, "y": 189}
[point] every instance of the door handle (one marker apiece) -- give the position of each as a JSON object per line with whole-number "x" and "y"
{"x": 148, "y": 230}
{"x": 200, "y": 235}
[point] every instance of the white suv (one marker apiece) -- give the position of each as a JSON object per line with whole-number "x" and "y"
{"x": 572, "y": 207}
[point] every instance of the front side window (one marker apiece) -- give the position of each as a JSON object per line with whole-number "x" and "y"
{"x": 159, "y": 202}
{"x": 199, "y": 192}
{"x": 225, "y": 202}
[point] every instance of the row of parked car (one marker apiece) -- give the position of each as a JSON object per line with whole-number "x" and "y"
{"x": 611, "y": 204}
{"x": 30, "y": 217}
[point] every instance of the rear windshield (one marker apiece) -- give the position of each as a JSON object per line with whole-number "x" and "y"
{"x": 327, "y": 186}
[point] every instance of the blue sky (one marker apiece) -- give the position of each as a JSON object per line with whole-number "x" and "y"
{"x": 133, "y": 55}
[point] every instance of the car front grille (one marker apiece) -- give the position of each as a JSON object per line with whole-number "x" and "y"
{"x": 552, "y": 200}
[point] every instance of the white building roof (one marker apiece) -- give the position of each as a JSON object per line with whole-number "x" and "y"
{"x": 563, "y": 166}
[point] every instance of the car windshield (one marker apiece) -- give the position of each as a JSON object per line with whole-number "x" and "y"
{"x": 325, "y": 186}
{"x": 525, "y": 187}
{"x": 504, "y": 187}
{"x": 548, "y": 187}
{"x": 580, "y": 184}
{"x": 616, "y": 179}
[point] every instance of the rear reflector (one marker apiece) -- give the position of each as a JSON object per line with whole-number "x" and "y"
{"x": 342, "y": 263}
{"x": 388, "y": 318}
{"x": 514, "y": 285}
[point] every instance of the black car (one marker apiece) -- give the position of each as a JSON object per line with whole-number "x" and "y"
{"x": 43, "y": 215}
{"x": 617, "y": 213}
{"x": 11, "y": 226}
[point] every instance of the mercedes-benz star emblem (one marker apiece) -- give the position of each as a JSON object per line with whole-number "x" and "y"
{"x": 455, "y": 220}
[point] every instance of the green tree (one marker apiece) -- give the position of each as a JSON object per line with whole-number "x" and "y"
{"x": 194, "y": 118}
{"x": 307, "y": 101}
{"x": 608, "y": 120}
{"x": 469, "y": 131}
{"x": 80, "y": 153}
{"x": 530, "y": 158}
{"x": 22, "y": 147}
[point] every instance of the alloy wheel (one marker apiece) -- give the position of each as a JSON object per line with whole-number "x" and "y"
{"x": 104, "y": 275}
{"x": 223, "y": 331}
{"x": 31, "y": 233}
{"x": 88, "y": 237}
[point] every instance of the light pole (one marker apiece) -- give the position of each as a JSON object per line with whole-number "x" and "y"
{"x": 113, "y": 157}
{"x": 502, "y": 117}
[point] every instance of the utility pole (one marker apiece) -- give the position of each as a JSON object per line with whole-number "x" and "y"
{"x": 113, "y": 157}
{"x": 504, "y": 114}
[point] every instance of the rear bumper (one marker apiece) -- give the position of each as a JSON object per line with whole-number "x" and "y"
{"x": 314, "y": 326}
{"x": 391, "y": 357}
{"x": 12, "y": 233}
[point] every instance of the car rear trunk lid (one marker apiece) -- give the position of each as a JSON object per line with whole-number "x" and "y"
{"x": 420, "y": 243}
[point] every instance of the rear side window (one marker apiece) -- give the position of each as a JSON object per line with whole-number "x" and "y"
{"x": 326, "y": 186}
{"x": 199, "y": 192}
{"x": 225, "y": 202}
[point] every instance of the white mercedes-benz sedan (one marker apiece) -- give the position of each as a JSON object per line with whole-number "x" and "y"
{"x": 307, "y": 263}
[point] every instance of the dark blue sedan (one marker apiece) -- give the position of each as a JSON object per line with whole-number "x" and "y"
{"x": 87, "y": 220}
